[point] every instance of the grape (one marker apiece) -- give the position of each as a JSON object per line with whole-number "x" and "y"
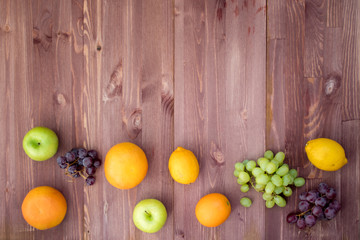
{"x": 70, "y": 157}
{"x": 75, "y": 151}
{"x": 63, "y": 166}
{"x": 246, "y": 202}
{"x": 277, "y": 180}
{"x": 79, "y": 168}
{"x": 82, "y": 152}
{"x": 277, "y": 164}
{"x": 72, "y": 169}
{"x": 320, "y": 201}
{"x": 244, "y": 177}
{"x": 239, "y": 166}
{"x": 283, "y": 170}
{"x": 323, "y": 187}
{"x": 262, "y": 179}
{"x": 80, "y": 161}
{"x": 286, "y": 180}
{"x": 270, "y": 203}
{"x": 301, "y": 223}
{"x": 245, "y": 162}
{"x": 280, "y": 201}
{"x": 236, "y": 173}
{"x": 270, "y": 187}
{"x": 257, "y": 171}
{"x": 291, "y": 218}
{"x": 271, "y": 168}
{"x": 331, "y": 193}
{"x": 267, "y": 196}
{"x": 310, "y": 220}
{"x": 259, "y": 187}
{"x": 291, "y": 179}
{"x": 311, "y": 196}
{"x": 317, "y": 211}
{"x": 76, "y": 175}
{"x": 87, "y": 162}
{"x": 302, "y": 196}
{"x": 293, "y": 173}
{"x": 330, "y": 213}
{"x": 91, "y": 170}
{"x": 280, "y": 156}
{"x": 269, "y": 154}
{"x": 299, "y": 182}
{"x": 250, "y": 165}
{"x": 245, "y": 188}
{"x": 335, "y": 205}
{"x": 279, "y": 190}
{"x": 97, "y": 163}
{"x": 90, "y": 180}
{"x": 61, "y": 160}
{"x": 93, "y": 154}
{"x": 287, "y": 192}
{"x": 304, "y": 206}
{"x": 263, "y": 162}
{"x": 240, "y": 182}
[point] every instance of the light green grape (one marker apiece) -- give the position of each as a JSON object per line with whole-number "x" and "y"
{"x": 277, "y": 164}
{"x": 277, "y": 180}
{"x": 270, "y": 203}
{"x": 271, "y": 168}
{"x": 262, "y": 162}
{"x": 257, "y": 171}
{"x": 259, "y": 187}
{"x": 267, "y": 196}
{"x": 244, "y": 177}
{"x": 291, "y": 179}
{"x": 280, "y": 156}
{"x": 236, "y": 173}
{"x": 250, "y": 165}
{"x": 239, "y": 166}
{"x": 262, "y": 179}
{"x": 293, "y": 173}
{"x": 246, "y": 202}
{"x": 269, "y": 154}
{"x": 287, "y": 192}
{"x": 279, "y": 190}
{"x": 245, "y": 162}
{"x": 286, "y": 180}
{"x": 280, "y": 201}
{"x": 270, "y": 187}
{"x": 240, "y": 182}
{"x": 299, "y": 182}
{"x": 283, "y": 170}
{"x": 244, "y": 188}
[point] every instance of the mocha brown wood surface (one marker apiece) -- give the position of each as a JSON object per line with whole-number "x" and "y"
{"x": 225, "y": 79}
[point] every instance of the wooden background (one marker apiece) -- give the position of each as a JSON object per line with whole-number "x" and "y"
{"x": 226, "y": 79}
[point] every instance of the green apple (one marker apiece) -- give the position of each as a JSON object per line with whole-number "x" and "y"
{"x": 40, "y": 143}
{"x": 149, "y": 215}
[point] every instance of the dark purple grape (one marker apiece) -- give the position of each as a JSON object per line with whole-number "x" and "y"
{"x": 301, "y": 223}
{"x": 302, "y": 196}
{"x": 91, "y": 170}
{"x": 70, "y": 157}
{"x": 80, "y": 161}
{"x": 291, "y": 218}
{"x": 330, "y": 213}
{"x": 79, "y": 168}
{"x": 97, "y": 163}
{"x": 304, "y": 206}
{"x": 93, "y": 154}
{"x": 61, "y": 160}
{"x": 90, "y": 180}
{"x": 87, "y": 162}
{"x": 76, "y": 175}
{"x": 331, "y": 193}
{"x": 63, "y": 166}
{"x": 75, "y": 151}
{"x": 82, "y": 153}
{"x": 311, "y": 196}
{"x": 335, "y": 205}
{"x": 323, "y": 187}
{"x": 317, "y": 211}
{"x": 310, "y": 220}
{"x": 72, "y": 169}
{"x": 321, "y": 201}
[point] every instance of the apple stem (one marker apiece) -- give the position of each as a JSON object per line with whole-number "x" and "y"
{"x": 147, "y": 213}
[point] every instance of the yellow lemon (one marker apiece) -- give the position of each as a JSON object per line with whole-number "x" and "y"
{"x": 325, "y": 154}
{"x": 183, "y": 166}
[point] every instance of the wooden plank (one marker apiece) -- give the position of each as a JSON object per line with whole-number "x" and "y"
{"x": 276, "y": 19}
{"x": 335, "y": 13}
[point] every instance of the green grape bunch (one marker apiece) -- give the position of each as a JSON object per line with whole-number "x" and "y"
{"x": 268, "y": 175}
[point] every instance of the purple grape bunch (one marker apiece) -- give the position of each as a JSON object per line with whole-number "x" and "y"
{"x": 315, "y": 205}
{"x": 80, "y": 162}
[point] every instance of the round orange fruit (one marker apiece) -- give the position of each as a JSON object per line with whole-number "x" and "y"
{"x": 212, "y": 209}
{"x": 125, "y": 165}
{"x": 44, "y": 207}
{"x": 183, "y": 166}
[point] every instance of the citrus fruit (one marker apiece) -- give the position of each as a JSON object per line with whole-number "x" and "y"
{"x": 212, "y": 209}
{"x": 44, "y": 207}
{"x": 183, "y": 166}
{"x": 325, "y": 154}
{"x": 125, "y": 165}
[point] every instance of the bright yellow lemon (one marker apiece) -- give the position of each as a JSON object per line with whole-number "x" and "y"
{"x": 183, "y": 166}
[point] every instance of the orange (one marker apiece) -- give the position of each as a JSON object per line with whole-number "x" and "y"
{"x": 125, "y": 165}
{"x": 44, "y": 207}
{"x": 183, "y": 166}
{"x": 212, "y": 209}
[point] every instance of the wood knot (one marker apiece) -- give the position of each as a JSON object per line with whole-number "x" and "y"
{"x": 40, "y": 38}
{"x": 134, "y": 123}
{"x": 176, "y": 11}
{"x": 60, "y": 99}
{"x": 113, "y": 89}
{"x": 7, "y": 28}
{"x": 332, "y": 83}
{"x": 216, "y": 154}
{"x": 179, "y": 233}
